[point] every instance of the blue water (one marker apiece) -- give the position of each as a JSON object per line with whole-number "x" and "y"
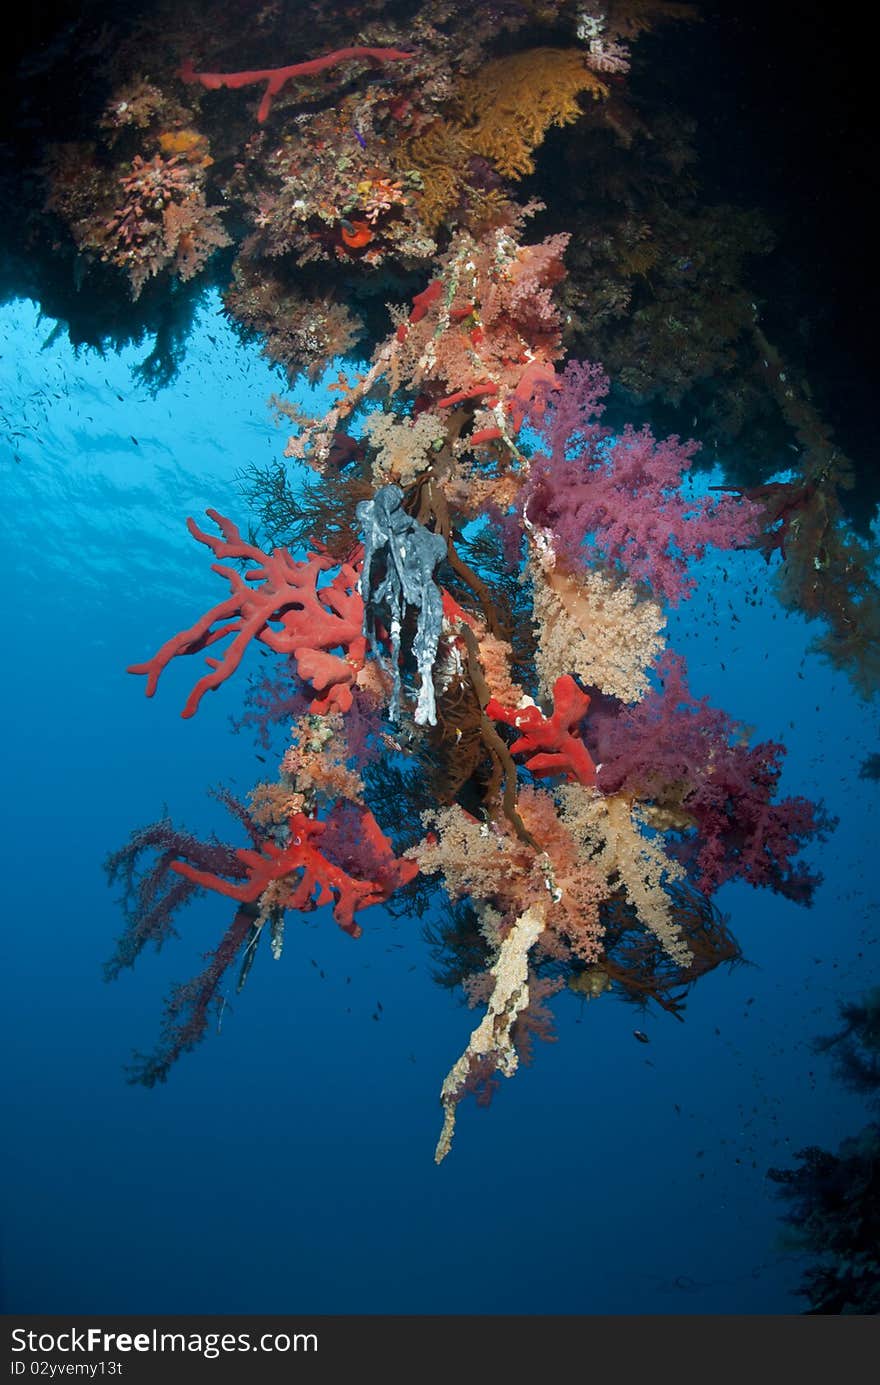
{"x": 287, "y": 1164}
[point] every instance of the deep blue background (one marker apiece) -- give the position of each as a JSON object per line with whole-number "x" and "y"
{"x": 287, "y": 1164}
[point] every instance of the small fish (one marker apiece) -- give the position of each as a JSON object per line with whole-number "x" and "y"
{"x": 641, "y": 1036}
{"x": 359, "y": 137}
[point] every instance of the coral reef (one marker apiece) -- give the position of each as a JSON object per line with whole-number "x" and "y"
{"x": 460, "y": 574}
{"x": 581, "y": 822}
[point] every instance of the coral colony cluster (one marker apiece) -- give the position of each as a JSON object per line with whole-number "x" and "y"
{"x": 467, "y": 611}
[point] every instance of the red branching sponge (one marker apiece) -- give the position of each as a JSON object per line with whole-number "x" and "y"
{"x": 314, "y": 622}
{"x": 276, "y": 77}
{"x": 470, "y": 392}
{"x": 422, "y": 301}
{"x": 320, "y": 881}
{"x": 550, "y": 741}
{"x": 532, "y": 392}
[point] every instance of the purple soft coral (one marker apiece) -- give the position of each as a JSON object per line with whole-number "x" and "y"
{"x": 715, "y": 791}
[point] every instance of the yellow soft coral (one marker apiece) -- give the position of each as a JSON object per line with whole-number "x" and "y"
{"x": 439, "y": 156}
{"x": 596, "y": 626}
{"x": 491, "y": 1047}
{"x": 611, "y": 831}
{"x": 511, "y": 103}
{"x": 502, "y": 113}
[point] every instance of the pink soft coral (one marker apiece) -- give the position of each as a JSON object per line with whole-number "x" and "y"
{"x": 618, "y": 497}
